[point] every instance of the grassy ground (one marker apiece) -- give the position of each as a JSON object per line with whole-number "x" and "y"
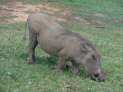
{"x": 17, "y": 76}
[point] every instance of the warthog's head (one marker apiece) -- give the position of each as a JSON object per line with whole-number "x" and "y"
{"x": 93, "y": 66}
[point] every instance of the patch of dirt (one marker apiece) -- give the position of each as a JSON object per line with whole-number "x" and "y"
{"x": 20, "y": 11}
{"x": 84, "y": 20}
{"x": 99, "y": 15}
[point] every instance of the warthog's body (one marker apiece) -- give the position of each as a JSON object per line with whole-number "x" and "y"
{"x": 67, "y": 45}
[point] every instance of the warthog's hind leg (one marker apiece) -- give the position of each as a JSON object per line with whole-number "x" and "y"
{"x": 31, "y": 47}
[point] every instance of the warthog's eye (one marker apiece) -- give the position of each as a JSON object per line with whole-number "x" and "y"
{"x": 93, "y": 57}
{"x": 96, "y": 75}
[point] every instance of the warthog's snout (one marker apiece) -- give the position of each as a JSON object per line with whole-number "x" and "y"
{"x": 99, "y": 76}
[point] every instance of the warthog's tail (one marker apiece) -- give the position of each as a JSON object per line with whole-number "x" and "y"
{"x": 25, "y": 37}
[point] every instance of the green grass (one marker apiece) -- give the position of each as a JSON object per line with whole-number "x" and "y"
{"x": 17, "y": 76}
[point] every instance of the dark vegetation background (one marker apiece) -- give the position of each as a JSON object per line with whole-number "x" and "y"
{"x": 100, "y": 21}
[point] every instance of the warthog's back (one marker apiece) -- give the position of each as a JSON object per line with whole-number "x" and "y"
{"x": 43, "y": 22}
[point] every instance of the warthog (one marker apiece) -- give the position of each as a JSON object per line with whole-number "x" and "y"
{"x": 67, "y": 45}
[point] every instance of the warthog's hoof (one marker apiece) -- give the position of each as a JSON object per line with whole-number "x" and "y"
{"x": 31, "y": 62}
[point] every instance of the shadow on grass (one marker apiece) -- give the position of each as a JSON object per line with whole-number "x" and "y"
{"x": 42, "y": 60}
{"x": 47, "y": 60}
{"x": 50, "y": 61}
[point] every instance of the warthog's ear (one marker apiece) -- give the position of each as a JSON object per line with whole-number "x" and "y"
{"x": 104, "y": 71}
{"x": 83, "y": 49}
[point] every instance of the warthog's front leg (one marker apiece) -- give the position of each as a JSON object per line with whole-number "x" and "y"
{"x": 75, "y": 68}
